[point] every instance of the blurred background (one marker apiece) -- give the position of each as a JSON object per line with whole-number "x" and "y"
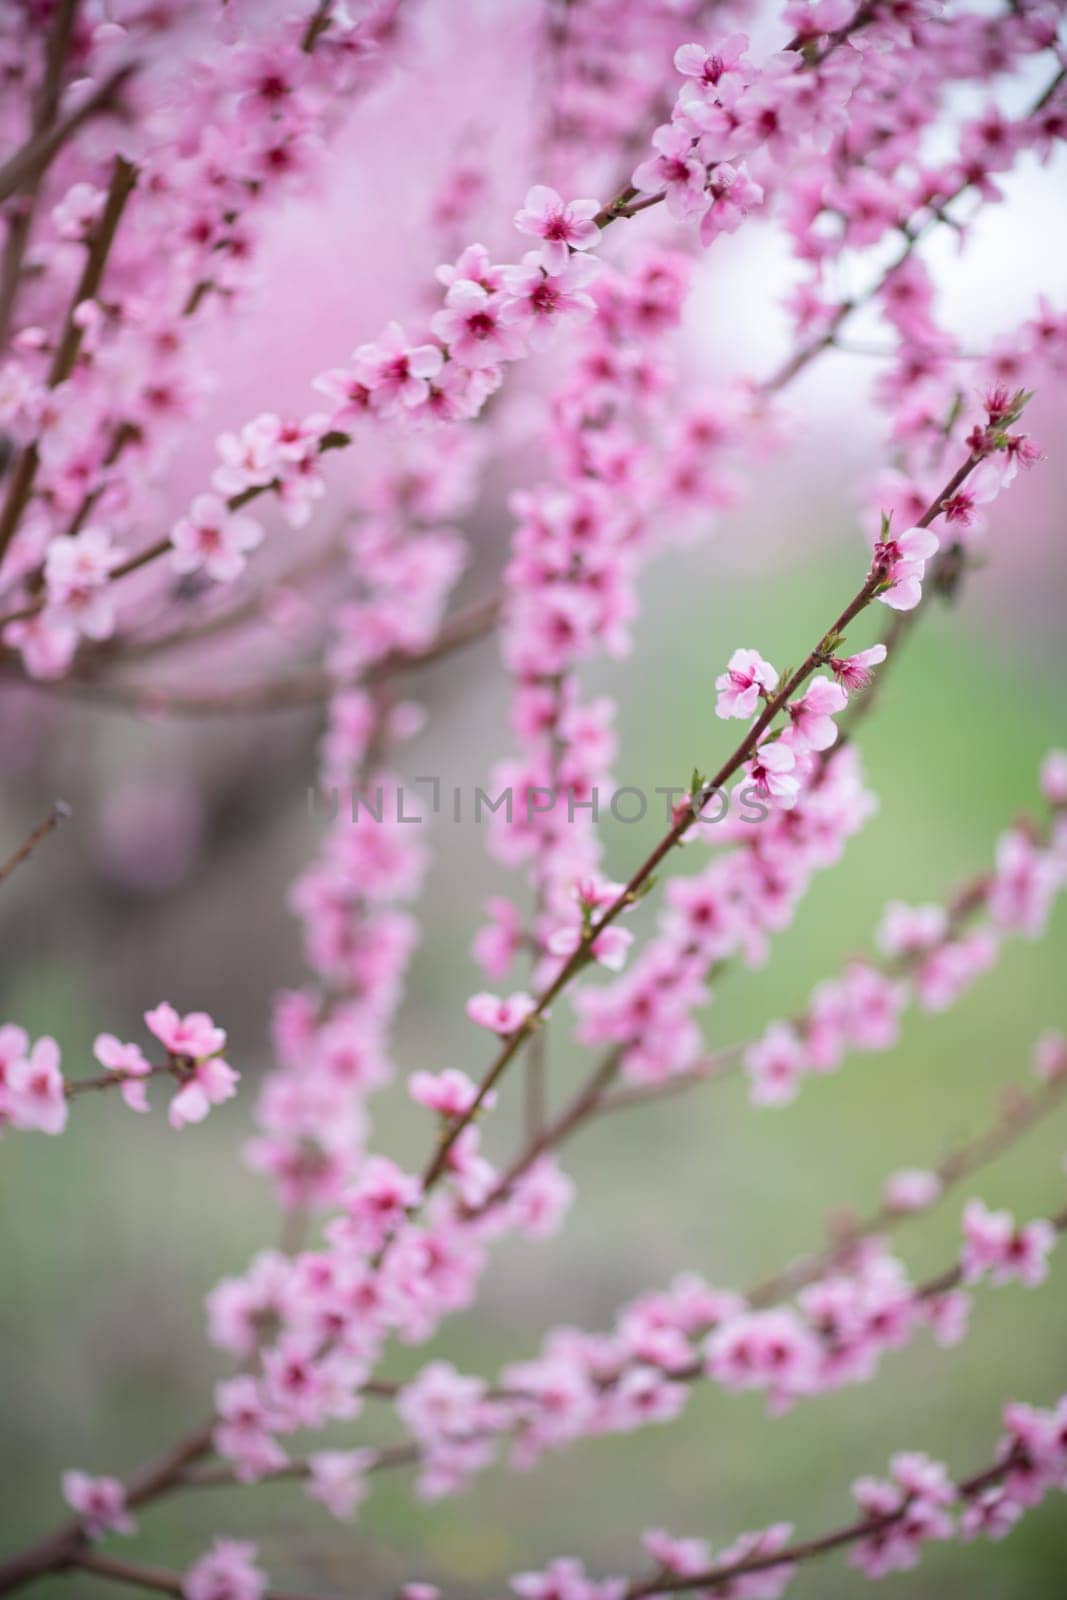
{"x": 170, "y": 877}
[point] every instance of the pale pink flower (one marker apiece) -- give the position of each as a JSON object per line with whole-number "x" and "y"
{"x": 776, "y": 1064}
{"x": 565, "y": 1579}
{"x": 854, "y": 672}
{"x": 716, "y": 73}
{"x": 912, "y": 1189}
{"x": 993, "y": 1244}
{"x": 675, "y": 171}
{"x": 1054, "y": 778}
{"x": 502, "y": 1016}
{"x": 609, "y": 948}
{"x": 226, "y": 1572}
{"x": 747, "y": 678}
{"x": 496, "y": 945}
{"x": 77, "y": 572}
{"x": 33, "y": 1092}
{"x": 211, "y": 538}
{"x": 338, "y": 1478}
{"x": 1024, "y": 885}
{"x": 78, "y": 210}
{"x": 901, "y": 560}
{"x": 909, "y": 930}
{"x": 128, "y": 1061}
{"x": 1050, "y": 1056}
{"x": 537, "y": 304}
{"x": 450, "y": 1093}
{"x": 923, "y": 1479}
{"x": 396, "y": 372}
{"x": 211, "y": 1083}
{"x": 771, "y": 771}
{"x": 563, "y": 225}
{"x": 99, "y": 1502}
{"x": 474, "y": 328}
{"x": 989, "y": 1515}
{"x": 47, "y": 642}
{"x": 733, "y": 195}
{"x": 811, "y": 718}
{"x": 194, "y": 1035}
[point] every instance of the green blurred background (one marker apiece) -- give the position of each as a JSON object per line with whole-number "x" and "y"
{"x": 112, "y": 1235}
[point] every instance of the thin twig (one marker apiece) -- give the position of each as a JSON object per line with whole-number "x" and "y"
{"x": 38, "y": 151}
{"x": 59, "y": 813}
{"x": 123, "y": 179}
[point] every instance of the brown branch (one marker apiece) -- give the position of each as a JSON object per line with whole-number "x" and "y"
{"x": 123, "y": 178}
{"x": 160, "y": 1580}
{"x": 306, "y": 686}
{"x": 60, "y": 1550}
{"x": 808, "y": 1549}
{"x": 39, "y": 150}
{"x": 59, "y": 813}
{"x": 112, "y": 1080}
{"x": 44, "y": 109}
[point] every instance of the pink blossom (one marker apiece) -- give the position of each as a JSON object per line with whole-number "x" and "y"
{"x": 909, "y": 930}
{"x": 683, "y": 1557}
{"x": 992, "y": 1514}
{"x": 1050, "y": 1056}
{"x": 78, "y": 210}
{"x": 746, "y": 679}
{"x": 502, "y": 1016}
{"x": 99, "y": 1502}
{"x": 213, "y": 540}
{"x": 609, "y": 948}
{"x": 901, "y": 561}
{"x": 734, "y": 195}
{"x": 771, "y": 770}
{"x": 923, "y": 1479}
{"x": 242, "y": 1433}
{"x": 763, "y": 1350}
{"x": 396, "y": 372}
{"x": 46, "y": 641}
{"x": 993, "y": 1244}
{"x": 537, "y": 303}
{"x": 474, "y": 328}
{"x": 721, "y": 71}
{"x": 380, "y": 1198}
{"x": 33, "y": 1096}
{"x": 498, "y": 942}
{"x": 440, "y": 1401}
{"x": 451, "y": 1093}
{"x": 811, "y": 718}
{"x": 1024, "y": 885}
{"x": 211, "y": 1083}
{"x": 951, "y": 968}
{"x": 129, "y": 1063}
{"x": 912, "y": 1189}
{"x": 1054, "y": 778}
{"x": 775, "y": 1065}
{"x": 565, "y": 1579}
{"x": 226, "y": 1572}
{"x": 339, "y": 1479}
{"x": 854, "y": 672}
{"x": 193, "y": 1036}
{"x": 676, "y": 171}
{"x": 77, "y": 571}
{"x": 562, "y": 225}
